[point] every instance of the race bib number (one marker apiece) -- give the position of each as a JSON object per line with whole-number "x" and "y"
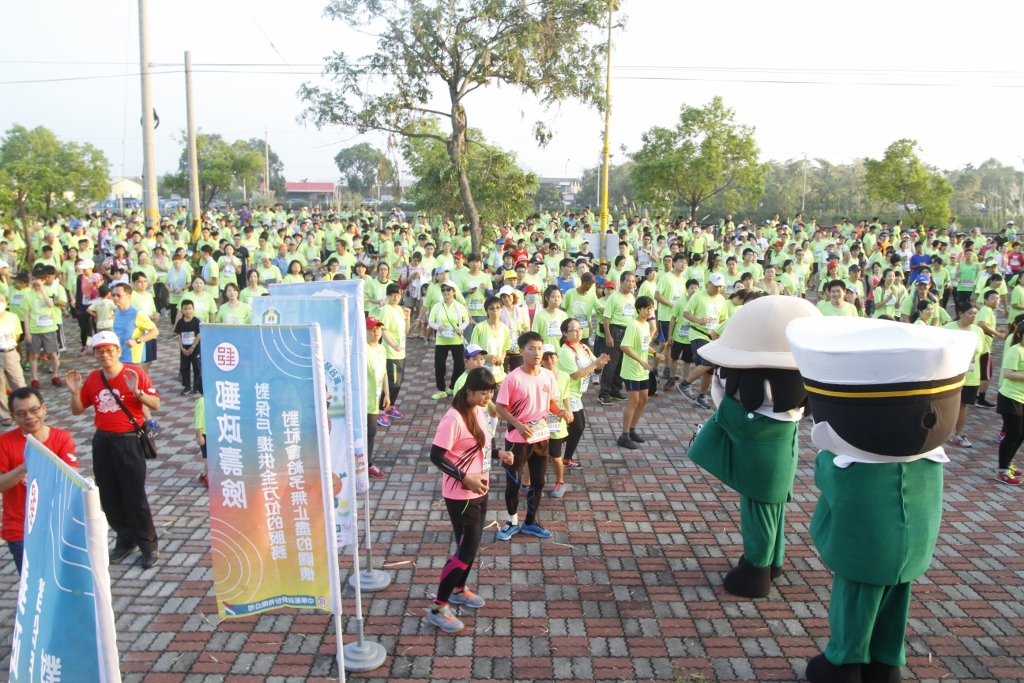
{"x": 969, "y": 284}
{"x": 645, "y": 345}
{"x": 7, "y": 341}
{"x": 231, "y": 319}
{"x": 971, "y": 368}
{"x": 554, "y": 328}
{"x": 16, "y": 298}
{"x": 628, "y": 310}
{"x": 712, "y": 323}
{"x": 486, "y": 463}
{"x": 44, "y": 320}
{"x": 583, "y": 362}
{"x": 188, "y": 338}
{"x": 540, "y": 431}
{"x": 576, "y": 404}
{"x": 683, "y": 330}
{"x": 476, "y": 305}
{"x": 890, "y": 302}
{"x": 554, "y": 423}
{"x": 447, "y": 332}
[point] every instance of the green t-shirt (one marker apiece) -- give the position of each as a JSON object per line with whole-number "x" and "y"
{"x": 581, "y": 307}
{"x": 1013, "y": 360}
{"x": 475, "y": 299}
{"x": 681, "y": 331}
{"x": 41, "y": 318}
{"x": 549, "y": 325}
{"x": 495, "y": 342}
{"x": 376, "y": 375}
{"x": 638, "y": 338}
{"x": 620, "y": 308}
{"x": 672, "y": 288}
{"x": 846, "y": 309}
{"x": 240, "y": 315}
{"x": 703, "y": 305}
{"x": 973, "y": 376}
{"x": 246, "y": 294}
{"x": 199, "y": 415}
{"x": 374, "y": 289}
{"x": 988, "y": 316}
{"x": 393, "y": 318}
{"x": 572, "y": 359}
{"x": 968, "y": 276}
{"x": 450, "y": 318}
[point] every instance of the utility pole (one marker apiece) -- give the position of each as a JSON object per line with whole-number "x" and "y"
{"x": 803, "y": 198}
{"x": 607, "y": 125}
{"x": 266, "y": 160}
{"x": 194, "y": 198}
{"x": 150, "y": 199}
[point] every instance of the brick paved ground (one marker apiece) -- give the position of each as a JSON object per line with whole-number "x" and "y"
{"x": 628, "y": 588}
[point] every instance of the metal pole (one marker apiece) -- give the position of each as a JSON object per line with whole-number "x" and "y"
{"x": 150, "y": 199}
{"x": 803, "y": 198}
{"x": 607, "y": 125}
{"x": 194, "y": 198}
{"x": 266, "y": 160}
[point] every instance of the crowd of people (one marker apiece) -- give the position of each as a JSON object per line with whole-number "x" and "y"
{"x": 537, "y": 319}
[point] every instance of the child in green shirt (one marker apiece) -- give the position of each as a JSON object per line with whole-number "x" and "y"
{"x": 636, "y": 349}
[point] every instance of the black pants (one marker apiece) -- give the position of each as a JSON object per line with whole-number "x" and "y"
{"x": 534, "y": 456}
{"x": 371, "y": 434}
{"x": 120, "y": 470}
{"x": 513, "y": 362}
{"x": 396, "y": 373}
{"x": 192, "y": 365}
{"x": 611, "y": 381}
{"x": 160, "y": 296}
{"x": 1013, "y": 437}
{"x": 86, "y": 328}
{"x": 467, "y": 541}
{"x": 576, "y": 429}
{"x": 441, "y": 364}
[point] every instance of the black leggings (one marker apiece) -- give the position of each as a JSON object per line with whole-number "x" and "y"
{"x": 371, "y": 434}
{"x": 1013, "y": 437}
{"x": 86, "y": 328}
{"x": 576, "y": 428}
{"x": 456, "y": 570}
{"x": 441, "y": 364}
{"x": 538, "y": 465}
{"x": 396, "y": 373}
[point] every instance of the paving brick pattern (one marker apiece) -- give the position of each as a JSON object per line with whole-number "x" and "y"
{"x": 628, "y": 588}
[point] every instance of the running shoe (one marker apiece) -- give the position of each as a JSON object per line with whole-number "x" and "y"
{"x": 625, "y": 442}
{"x": 450, "y": 392}
{"x": 604, "y": 400}
{"x": 56, "y": 381}
{"x": 619, "y": 397}
{"x": 688, "y": 391}
{"x": 508, "y": 531}
{"x": 1007, "y": 477}
{"x": 984, "y": 403}
{"x": 383, "y": 421}
{"x": 393, "y": 413}
{"x": 467, "y": 598}
{"x": 442, "y": 617}
{"x": 35, "y": 383}
{"x": 670, "y": 384}
{"x": 558, "y": 491}
{"x": 438, "y": 395}
{"x": 572, "y": 464}
{"x": 636, "y": 438}
{"x": 960, "y": 441}
{"x": 536, "y": 530}
{"x": 376, "y": 472}
{"x": 1001, "y": 435}
{"x": 703, "y": 402}
{"x": 1014, "y": 470}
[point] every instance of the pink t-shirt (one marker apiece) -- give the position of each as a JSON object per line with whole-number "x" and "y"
{"x": 454, "y": 436}
{"x": 528, "y": 398}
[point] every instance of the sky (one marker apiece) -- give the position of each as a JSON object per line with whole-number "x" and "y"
{"x": 831, "y": 80}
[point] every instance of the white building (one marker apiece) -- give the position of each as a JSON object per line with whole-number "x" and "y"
{"x": 125, "y": 188}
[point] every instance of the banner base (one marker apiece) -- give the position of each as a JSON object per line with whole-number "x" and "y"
{"x": 364, "y": 657}
{"x": 370, "y": 580}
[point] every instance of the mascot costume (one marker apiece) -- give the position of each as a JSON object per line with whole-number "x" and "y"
{"x": 885, "y": 397}
{"x": 750, "y": 443}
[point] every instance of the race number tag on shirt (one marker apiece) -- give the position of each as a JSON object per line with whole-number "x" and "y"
{"x": 576, "y": 404}
{"x": 447, "y": 332}
{"x": 188, "y": 338}
{"x": 554, "y": 423}
{"x": 487, "y": 463}
{"x": 476, "y": 304}
{"x": 583, "y": 362}
{"x": 628, "y": 310}
{"x": 554, "y": 328}
{"x": 231, "y": 319}
{"x": 645, "y": 344}
{"x": 44, "y": 320}
{"x": 540, "y": 431}
{"x": 7, "y": 341}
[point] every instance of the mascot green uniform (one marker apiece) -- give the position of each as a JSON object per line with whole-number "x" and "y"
{"x": 750, "y": 443}
{"x": 885, "y": 397}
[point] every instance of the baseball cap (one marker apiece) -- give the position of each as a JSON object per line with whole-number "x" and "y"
{"x": 507, "y": 290}
{"x": 717, "y": 279}
{"x": 549, "y": 348}
{"x": 510, "y": 275}
{"x": 441, "y": 269}
{"x": 531, "y": 289}
{"x": 991, "y": 263}
{"x": 924, "y": 279}
{"x": 610, "y": 284}
{"x": 472, "y": 350}
{"x": 85, "y": 263}
{"x": 372, "y": 322}
{"x": 500, "y": 240}
{"x": 105, "y": 338}
{"x": 458, "y": 254}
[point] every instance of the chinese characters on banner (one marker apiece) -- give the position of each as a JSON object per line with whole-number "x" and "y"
{"x": 268, "y": 475}
{"x": 64, "y": 622}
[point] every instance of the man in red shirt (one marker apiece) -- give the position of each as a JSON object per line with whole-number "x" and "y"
{"x": 29, "y": 413}
{"x": 118, "y": 461}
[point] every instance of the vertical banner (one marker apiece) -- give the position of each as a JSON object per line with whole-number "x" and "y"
{"x": 270, "y": 475}
{"x": 332, "y": 315}
{"x": 352, "y": 291}
{"x": 64, "y": 621}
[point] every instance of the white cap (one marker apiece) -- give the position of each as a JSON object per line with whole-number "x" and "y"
{"x": 85, "y": 263}
{"x": 105, "y": 338}
{"x": 472, "y": 350}
{"x": 717, "y": 279}
{"x": 862, "y": 351}
{"x": 549, "y": 348}
{"x": 4, "y": 264}
{"x": 508, "y": 290}
{"x": 756, "y": 334}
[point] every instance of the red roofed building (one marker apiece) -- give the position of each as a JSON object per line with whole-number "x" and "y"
{"x": 314, "y": 193}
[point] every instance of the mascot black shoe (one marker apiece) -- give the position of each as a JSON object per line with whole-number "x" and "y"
{"x": 885, "y": 397}
{"x": 750, "y": 443}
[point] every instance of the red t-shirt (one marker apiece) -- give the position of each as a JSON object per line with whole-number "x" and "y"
{"x": 109, "y": 416}
{"x": 12, "y": 454}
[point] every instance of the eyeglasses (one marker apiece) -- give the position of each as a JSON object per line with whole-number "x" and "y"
{"x": 22, "y": 414}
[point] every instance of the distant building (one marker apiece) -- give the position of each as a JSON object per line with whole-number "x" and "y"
{"x": 125, "y": 188}
{"x": 569, "y": 187}
{"x": 314, "y": 193}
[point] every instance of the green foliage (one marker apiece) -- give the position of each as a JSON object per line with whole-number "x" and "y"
{"x": 547, "y": 196}
{"x": 363, "y": 167}
{"x": 548, "y": 49}
{"x": 706, "y": 155}
{"x": 901, "y": 177}
{"x": 41, "y": 176}
{"x": 223, "y": 168}
{"x": 620, "y": 187}
{"x": 501, "y": 190}
{"x": 276, "y": 166}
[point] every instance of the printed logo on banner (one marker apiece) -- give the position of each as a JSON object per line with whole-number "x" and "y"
{"x": 33, "y": 504}
{"x": 225, "y": 356}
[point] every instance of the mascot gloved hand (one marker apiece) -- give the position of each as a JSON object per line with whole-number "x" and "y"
{"x": 885, "y": 397}
{"x": 750, "y": 443}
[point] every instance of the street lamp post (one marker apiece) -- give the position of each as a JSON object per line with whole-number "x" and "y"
{"x": 607, "y": 125}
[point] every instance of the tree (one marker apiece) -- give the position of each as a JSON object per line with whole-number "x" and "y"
{"x": 620, "y": 187}
{"x": 544, "y": 48}
{"x": 901, "y": 177}
{"x": 363, "y": 167}
{"x": 276, "y": 165}
{"x": 42, "y": 175}
{"x": 706, "y": 155}
{"x": 223, "y": 168}
{"x": 548, "y": 196}
{"x": 501, "y": 190}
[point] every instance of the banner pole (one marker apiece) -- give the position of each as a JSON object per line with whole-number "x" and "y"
{"x": 370, "y": 579}
{"x": 326, "y": 488}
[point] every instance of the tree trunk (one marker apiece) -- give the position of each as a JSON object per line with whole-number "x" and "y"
{"x": 457, "y": 153}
